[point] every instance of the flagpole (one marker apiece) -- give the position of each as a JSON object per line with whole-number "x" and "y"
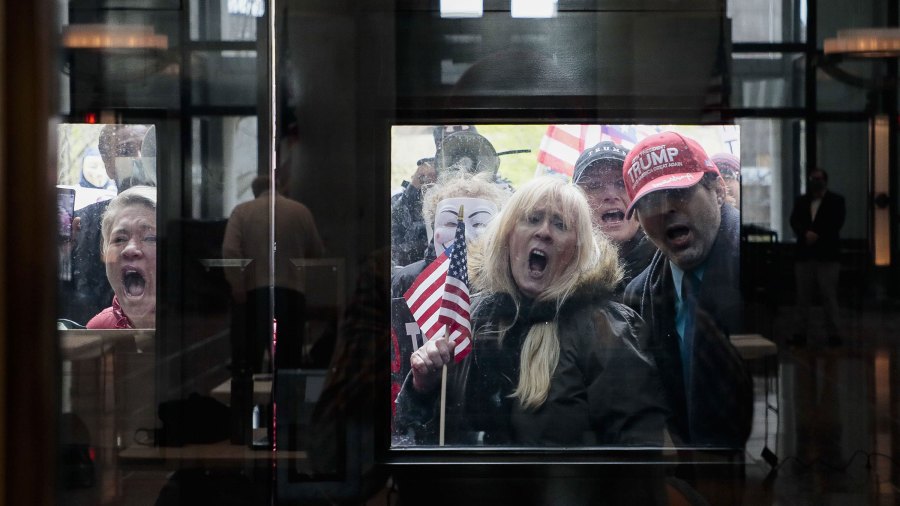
{"x": 459, "y": 219}
{"x": 443, "y": 403}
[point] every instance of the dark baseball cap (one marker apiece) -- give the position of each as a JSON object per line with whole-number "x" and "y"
{"x": 604, "y": 150}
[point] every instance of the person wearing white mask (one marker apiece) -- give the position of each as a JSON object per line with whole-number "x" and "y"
{"x": 481, "y": 199}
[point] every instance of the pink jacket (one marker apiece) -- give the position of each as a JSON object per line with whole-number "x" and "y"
{"x": 111, "y": 318}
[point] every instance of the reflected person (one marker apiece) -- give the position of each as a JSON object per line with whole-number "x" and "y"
{"x": 555, "y": 360}
{"x": 690, "y": 294}
{"x": 598, "y": 172}
{"x": 129, "y": 252}
{"x": 247, "y": 237}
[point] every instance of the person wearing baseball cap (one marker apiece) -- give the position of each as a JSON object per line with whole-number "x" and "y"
{"x": 730, "y": 169}
{"x": 598, "y": 172}
{"x": 689, "y": 295}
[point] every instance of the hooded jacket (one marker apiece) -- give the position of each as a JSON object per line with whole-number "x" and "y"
{"x": 720, "y": 409}
{"x": 603, "y": 391}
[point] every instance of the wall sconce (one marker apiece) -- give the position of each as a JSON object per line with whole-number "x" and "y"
{"x": 101, "y": 36}
{"x": 865, "y": 43}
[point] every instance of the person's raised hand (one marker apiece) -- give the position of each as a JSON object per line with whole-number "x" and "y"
{"x": 425, "y": 174}
{"x": 76, "y": 227}
{"x": 428, "y": 361}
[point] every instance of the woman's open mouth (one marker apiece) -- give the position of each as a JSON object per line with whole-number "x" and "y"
{"x": 134, "y": 282}
{"x": 537, "y": 262}
{"x": 613, "y": 216}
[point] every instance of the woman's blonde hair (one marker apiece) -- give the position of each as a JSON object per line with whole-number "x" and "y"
{"x": 461, "y": 184}
{"x": 136, "y": 195}
{"x": 595, "y": 261}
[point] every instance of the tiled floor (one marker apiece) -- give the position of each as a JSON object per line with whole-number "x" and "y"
{"x": 835, "y": 431}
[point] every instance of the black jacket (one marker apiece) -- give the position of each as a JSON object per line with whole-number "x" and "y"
{"x": 604, "y": 391}
{"x": 89, "y": 292}
{"x": 828, "y": 223}
{"x": 721, "y": 408}
{"x": 635, "y": 255}
{"x": 409, "y": 237}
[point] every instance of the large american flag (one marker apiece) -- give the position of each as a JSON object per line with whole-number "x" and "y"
{"x": 439, "y": 297}
{"x": 562, "y": 144}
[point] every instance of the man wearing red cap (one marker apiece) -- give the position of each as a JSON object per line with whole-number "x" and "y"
{"x": 689, "y": 295}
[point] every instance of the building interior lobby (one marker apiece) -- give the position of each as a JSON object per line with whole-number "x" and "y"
{"x": 333, "y": 105}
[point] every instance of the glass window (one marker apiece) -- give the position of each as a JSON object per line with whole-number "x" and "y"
{"x": 224, "y": 78}
{"x": 767, "y": 21}
{"x": 767, "y": 80}
{"x": 226, "y": 20}
{"x": 287, "y": 222}
{"x": 770, "y": 149}
{"x": 224, "y": 155}
{"x": 506, "y": 185}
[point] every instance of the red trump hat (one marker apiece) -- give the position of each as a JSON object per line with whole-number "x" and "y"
{"x": 664, "y": 161}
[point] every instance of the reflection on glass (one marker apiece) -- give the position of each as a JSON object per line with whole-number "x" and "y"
{"x": 768, "y": 20}
{"x": 768, "y": 80}
{"x": 495, "y": 332}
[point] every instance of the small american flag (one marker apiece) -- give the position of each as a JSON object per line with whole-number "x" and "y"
{"x": 439, "y": 297}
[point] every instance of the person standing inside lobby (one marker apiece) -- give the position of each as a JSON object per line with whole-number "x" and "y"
{"x": 817, "y": 219}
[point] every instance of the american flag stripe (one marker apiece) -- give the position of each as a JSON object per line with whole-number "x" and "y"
{"x": 463, "y": 348}
{"x": 558, "y": 164}
{"x": 455, "y": 295}
{"x": 426, "y": 304}
{"x": 456, "y": 304}
{"x": 562, "y": 144}
{"x": 455, "y": 321}
{"x": 427, "y": 279}
{"x": 439, "y": 297}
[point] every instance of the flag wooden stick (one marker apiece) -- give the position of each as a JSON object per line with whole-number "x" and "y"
{"x": 443, "y": 403}
{"x": 443, "y": 412}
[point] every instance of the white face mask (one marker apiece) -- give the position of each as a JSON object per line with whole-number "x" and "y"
{"x": 477, "y": 213}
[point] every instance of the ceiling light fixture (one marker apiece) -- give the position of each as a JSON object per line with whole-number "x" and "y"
{"x": 865, "y": 43}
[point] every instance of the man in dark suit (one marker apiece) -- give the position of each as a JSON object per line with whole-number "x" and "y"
{"x": 689, "y": 295}
{"x": 816, "y": 219}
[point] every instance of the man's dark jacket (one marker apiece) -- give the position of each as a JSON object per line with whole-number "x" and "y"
{"x": 89, "y": 292}
{"x": 720, "y": 410}
{"x": 828, "y": 223}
